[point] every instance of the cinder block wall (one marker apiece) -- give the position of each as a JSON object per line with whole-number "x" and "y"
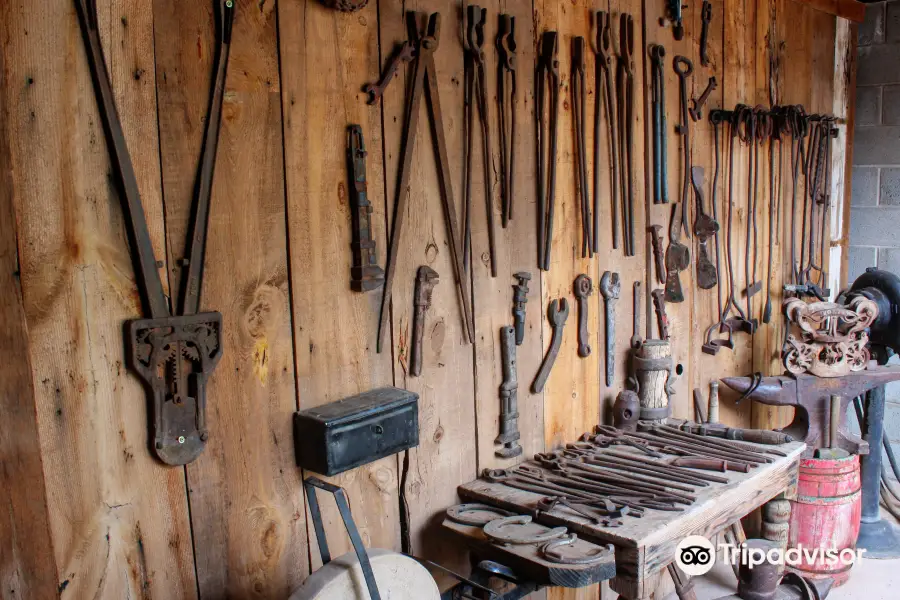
{"x": 875, "y": 200}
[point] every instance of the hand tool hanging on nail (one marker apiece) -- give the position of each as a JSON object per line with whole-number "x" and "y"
{"x": 426, "y": 279}
{"x": 674, "y": 10}
{"x": 710, "y": 345}
{"x": 696, "y": 110}
{"x": 749, "y": 122}
{"x": 476, "y": 99}
{"x": 601, "y": 44}
{"x": 705, "y": 227}
{"x": 683, "y": 68}
{"x": 658, "y": 252}
{"x": 610, "y": 287}
{"x": 174, "y": 354}
{"x": 509, "y": 393}
{"x": 547, "y": 112}
{"x": 580, "y": 123}
{"x": 774, "y": 209}
{"x": 625, "y": 111}
{"x": 520, "y": 297}
{"x": 662, "y": 319}
{"x": 636, "y": 315}
{"x": 424, "y": 83}
{"x": 658, "y": 108}
{"x": 706, "y": 17}
{"x": 365, "y": 274}
{"x": 557, "y": 313}
{"x": 403, "y": 55}
{"x": 583, "y": 289}
{"x": 507, "y": 102}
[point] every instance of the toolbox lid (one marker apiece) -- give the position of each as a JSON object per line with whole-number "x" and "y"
{"x": 360, "y": 406}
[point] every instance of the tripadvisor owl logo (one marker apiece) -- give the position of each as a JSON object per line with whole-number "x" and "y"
{"x": 695, "y": 555}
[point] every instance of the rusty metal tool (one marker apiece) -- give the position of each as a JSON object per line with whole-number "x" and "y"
{"x": 705, "y": 227}
{"x": 520, "y": 297}
{"x": 706, "y": 17}
{"x": 636, "y": 316}
{"x": 475, "y": 93}
{"x": 173, "y": 354}
{"x": 689, "y": 475}
{"x": 583, "y": 289}
{"x": 704, "y": 464}
{"x": 424, "y": 83}
{"x": 661, "y": 471}
{"x": 716, "y": 443}
{"x": 774, "y": 210}
{"x": 601, "y": 43}
{"x": 684, "y": 68}
{"x": 674, "y": 10}
{"x": 406, "y": 53}
{"x": 557, "y": 313}
{"x": 696, "y": 110}
{"x": 509, "y": 392}
{"x": 658, "y": 252}
{"x": 507, "y": 101}
{"x": 755, "y": 436}
{"x": 610, "y": 287}
{"x": 426, "y": 279}
{"x": 662, "y": 320}
{"x": 625, "y": 112}
{"x": 579, "y": 96}
{"x": 547, "y": 82}
{"x": 365, "y": 274}
{"x": 660, "y": 132}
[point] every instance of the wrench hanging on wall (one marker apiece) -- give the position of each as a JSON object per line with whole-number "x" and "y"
{"x": 174, "y": 354}
{"x": 424, "y": 83}
{"x": 547, "y": 83}
{"x": 476, "y": 98}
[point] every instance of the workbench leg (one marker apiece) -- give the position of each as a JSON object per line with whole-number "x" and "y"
{"x": 684, "y": 586}
{"x": 776, "y": 515}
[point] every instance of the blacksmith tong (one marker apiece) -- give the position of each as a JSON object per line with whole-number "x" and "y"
{"x": 547, "y": 82}
{"x": 507, "y": 94}
{"x": 601, "y": 44}
{"x": 174, "y": 354}
{"x": 424, "y": 83}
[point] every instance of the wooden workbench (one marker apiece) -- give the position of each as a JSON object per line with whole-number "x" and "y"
{"x": 645, "y": 546}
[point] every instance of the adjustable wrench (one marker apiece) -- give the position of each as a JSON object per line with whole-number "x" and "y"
{"x": 426, "y": 279}
{"x": 662, "y": 320}
{"x": 509, "y": 392}
{"x": 583, "y": 288}
{"x": 557, "y": 313}
{"x": 520, "y": 297}
{"x": 636, "y": 316}
{"x": 609, "y": 287}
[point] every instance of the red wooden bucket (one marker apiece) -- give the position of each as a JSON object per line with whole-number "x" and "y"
{"x": 825, "y": 516}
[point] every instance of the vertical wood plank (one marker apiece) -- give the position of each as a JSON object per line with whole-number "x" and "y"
{"x": 845, "y": 53}
{"x": 246, "y": 499}
{"x": 118, "y": 518}
{"x": 516, "y": 249}
{"x": 446, "y": 455}
{"x": 326, "y": 58}
{"x": 27, "y": 566}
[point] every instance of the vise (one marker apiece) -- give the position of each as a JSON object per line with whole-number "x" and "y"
{"x": 811, "y": 397}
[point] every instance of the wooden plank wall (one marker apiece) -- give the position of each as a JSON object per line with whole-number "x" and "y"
{"x": 91, "y": 513}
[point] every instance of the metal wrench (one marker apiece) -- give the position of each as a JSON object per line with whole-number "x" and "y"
{"x": 405, "y": 54}
{"x": 636, "y": 316}
{"x": 583, "y": 288}
{"x": 557, "y": 313}
{"x": 610, "y": 287}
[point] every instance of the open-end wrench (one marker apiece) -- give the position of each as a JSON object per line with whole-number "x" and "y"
{"x": 662, "y": 319}
{"x": 696, "y": 110}
{"x": 658, "y": 252}
{"x": 376, "y": 90}
{"x": 636, "y": 316}
{"x": 426, "y": 279}
{"x": 583, "y": 288}
{"x": 557, "y": 313}
{"x": 609, "y": 287}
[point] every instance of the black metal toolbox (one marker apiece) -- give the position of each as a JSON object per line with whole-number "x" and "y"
{"x": 354, "y": 431}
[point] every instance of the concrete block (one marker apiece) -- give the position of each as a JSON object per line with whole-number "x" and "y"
{"x": 889, "y": 260}
{"x": 889, "y": 187}
{"x": 892, "y": 22}
{"x": 877, "y": 145}
{"x": 859, "y": 258}
{"x": 864, "y": 190}
{"x": 868, "y": 106}
{"x": 890, "y": 104}
{"x": 872, "y": 29}
{"x": 875, "y": 227}
{"x": 878, "y": 64}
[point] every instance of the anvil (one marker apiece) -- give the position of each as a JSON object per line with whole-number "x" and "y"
{"x": 811, "y": 398}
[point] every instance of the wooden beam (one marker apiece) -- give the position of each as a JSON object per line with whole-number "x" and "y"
{"x": 846, "y": 9}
